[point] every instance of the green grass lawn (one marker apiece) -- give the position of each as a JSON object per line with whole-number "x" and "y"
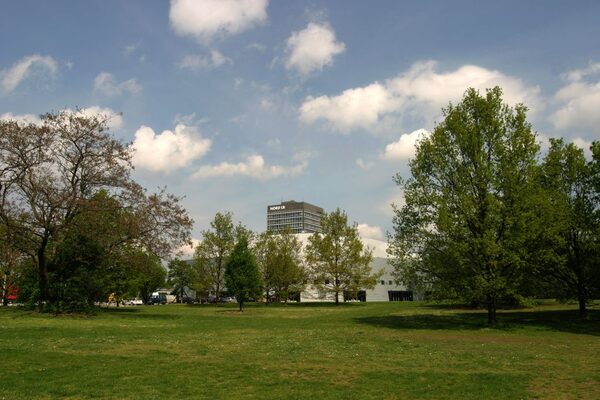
{"x": 301, "y": 351}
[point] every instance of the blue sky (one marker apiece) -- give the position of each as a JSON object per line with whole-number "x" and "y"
{"x": 240, "y": 104}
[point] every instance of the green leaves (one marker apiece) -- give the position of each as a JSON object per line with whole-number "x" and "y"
{"x": 336, "y": 257}
{"x": 468, "y": 202}
{"x": 242, "y": 276}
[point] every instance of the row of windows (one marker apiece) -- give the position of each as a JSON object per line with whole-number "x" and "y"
{"x": 389, "y": 282}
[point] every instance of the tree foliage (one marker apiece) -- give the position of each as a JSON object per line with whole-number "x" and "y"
{"x": 470, "y": 211}
{"x": 182, "y": 275}
{"x": 570, "y": 180}
{"x": 211, "y": 255}
{"x": 281, "y": 263}
{"x": 242, "y": 276}
{"x": 51, "y": 175}
{"x": 336, "y": 257}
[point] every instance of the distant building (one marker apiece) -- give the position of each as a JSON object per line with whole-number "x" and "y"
{"x": 386, "y": 289}
{"x": 298, "y": 217}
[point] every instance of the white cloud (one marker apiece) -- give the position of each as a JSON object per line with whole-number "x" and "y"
{"x": 168, "y": 150}
{"x": 312, "y": 48}
{"x": 187, "y": 251}
{"x": 21, "y": 118}
{"x": 106, "y": 84}
{"x": 354, "y": 108}
{"x": 579, "y": 102}
{"x": 418, "y": 93}
{"x": 115, "y": 120}
{"x": 578, "y": 74}
{"x": 582, "y": 144}
{"x": 196, "y": 62}
{"x": 254, "y": 167}
{"x": 371, "y": 232}
{"x": 364, "y": 165}
{"x": 396, "y": 196}
{"x": 207, "y": 19}
{"x": 12, "y": 77}
{"x": 404, "y": 148}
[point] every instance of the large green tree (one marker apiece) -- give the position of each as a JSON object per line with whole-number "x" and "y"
{"x": 337, "y": 259}
{"x": 470, "y": 206}
{"x": 50, "y": 171}
{"x": 574, "y": 271}
{"x": 182, "y": 275}
{"x": 212, "y": 253}
{"x": 242, "y": 275}
{"x": 281, "y": 263}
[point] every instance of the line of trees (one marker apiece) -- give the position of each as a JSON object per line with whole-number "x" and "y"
{"x": 74, "y": 225}
{"x": 273, "y": 265}
{"x": 487, "y": 220}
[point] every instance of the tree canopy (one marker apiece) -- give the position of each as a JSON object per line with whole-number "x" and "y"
{"x": 470, "y": 205}
{"x": 242, "y": 276}
{"x": 573, "y": 268}
{"x": 337, "y": 259}
{"x": 68, "y": 176}
{"x": 281, "y": 263}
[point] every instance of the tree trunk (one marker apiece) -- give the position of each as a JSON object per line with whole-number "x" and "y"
{"x": 5, "y": 291}
{"x": 42, "y": 274}
{"x": 491, "y": 307}
{"x": 241, "y": 305}
{"x": 581, "y": 297}
{"x": 337, "y": 298}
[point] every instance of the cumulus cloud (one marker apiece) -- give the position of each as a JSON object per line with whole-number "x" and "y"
{"x": 312, "y": 48}
{"x": 187, "y": 251}
{"x": 254, "y": 167}
{"x": 207, "y": 19}
{"x": 106, "y": 84}
{"x": 354, "y": 108}
{"x": 35, "y": 64}
{"x": 197, "y": 62}
{"x": 419, "y": 93}
{"x": 115, "y": 120}
{"x": 21, "y": 118}
{"x": 168, "y": 150}
{"x": 371, "y": 232}
{"x": 404, "y": 147}
{"x": 579, "y": 101}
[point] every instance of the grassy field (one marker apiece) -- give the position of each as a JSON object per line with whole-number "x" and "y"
{"x": 355, "y": 351}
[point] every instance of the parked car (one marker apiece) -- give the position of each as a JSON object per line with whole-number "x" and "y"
{"x": 227, "y": 299}
{"x": 188, "y": 300}
{"x": 158, "y": 299}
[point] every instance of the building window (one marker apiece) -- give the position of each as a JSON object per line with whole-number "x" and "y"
{"x": 390, "y": 283}
{"x": 383, "y": 282}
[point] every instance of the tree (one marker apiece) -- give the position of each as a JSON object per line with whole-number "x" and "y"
{"x": 336, "y": 257}
{"x": 149, "y": 273}
{"x": 242, "y": 276}
{"x": 210, "y": 256}
{"x": 470, "y": 206}
{"x": 181, "y": 275}
{"x": 575, "y": 214}
{"x": 50, "y": 171}
{"x": 280, "y": 260}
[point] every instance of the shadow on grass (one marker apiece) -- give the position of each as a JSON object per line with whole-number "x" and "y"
{"x": 280, "y": 305}
{"x": 562, "y": 321}
{"x": 137, "y": 312}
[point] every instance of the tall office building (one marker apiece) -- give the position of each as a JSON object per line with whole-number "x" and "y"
{"x": 298, "y": 217}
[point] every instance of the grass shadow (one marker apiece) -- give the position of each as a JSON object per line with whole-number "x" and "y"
{"x": 562, "y": 321}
